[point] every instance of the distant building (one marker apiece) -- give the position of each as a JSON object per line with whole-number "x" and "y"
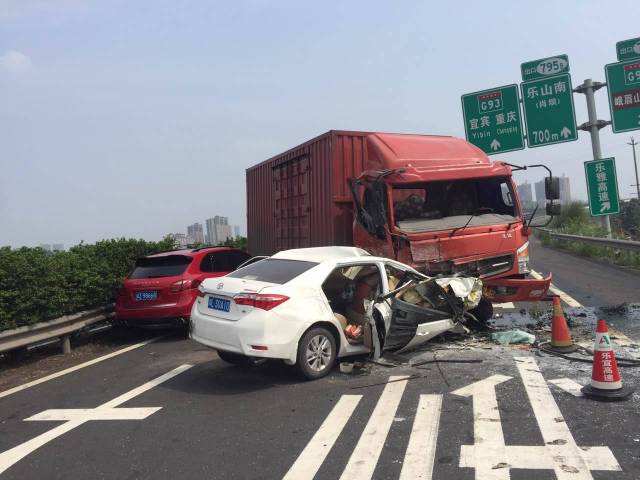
{"x": 565, "y": 190}
{"x": 525, "y": 193}
{"x": 236, "y": 231}
{"x": 45, "y": 246}
{"x": 218, "y": 230}
{"x": 195, "y": 232}
{"x": 181, "y": 240}
{"x": 541, "y": 198}
{"x": 57, "y": 247}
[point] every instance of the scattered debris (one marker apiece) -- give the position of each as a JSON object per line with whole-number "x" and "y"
{"x": 513, "y": 336}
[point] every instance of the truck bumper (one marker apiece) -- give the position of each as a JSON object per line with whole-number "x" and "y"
{"x": 500, "y": 290}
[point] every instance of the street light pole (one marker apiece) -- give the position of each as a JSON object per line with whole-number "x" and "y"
{"x": 633, "y": 144}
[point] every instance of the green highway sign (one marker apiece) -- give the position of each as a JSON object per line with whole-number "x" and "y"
{"x": 628, "y": 49}
{"x": 602, "y": 185}
{"x": 492, "y": 120}
{"x": 548, "y": 110}
{"x": 623, "y": 84}
{"x": 544, "y": 67}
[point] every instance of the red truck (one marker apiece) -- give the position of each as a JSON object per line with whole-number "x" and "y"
{"x": 437, "y": 203}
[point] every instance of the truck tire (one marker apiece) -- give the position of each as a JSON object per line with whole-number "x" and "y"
{"x": 316, "y": 353}
{"x": 233, "y": 358}
{"x": 483, "y": 312}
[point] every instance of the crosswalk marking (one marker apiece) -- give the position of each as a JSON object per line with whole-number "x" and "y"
{"x": 311, "y": 458}
{"x": 365, "y": 455}
{"x": 418, "y": 461}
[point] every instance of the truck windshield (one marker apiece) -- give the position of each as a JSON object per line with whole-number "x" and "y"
{"x": 448, "y": 204}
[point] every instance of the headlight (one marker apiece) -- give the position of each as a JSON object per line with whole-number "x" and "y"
{"x": 523, "y": 258}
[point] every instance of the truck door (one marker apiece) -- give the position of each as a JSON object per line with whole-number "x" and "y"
{"x": 291, "y": 198}
{"x": 371, "y": 230}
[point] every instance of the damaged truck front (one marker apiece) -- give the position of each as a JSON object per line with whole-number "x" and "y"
{"x": 436, "y": 203}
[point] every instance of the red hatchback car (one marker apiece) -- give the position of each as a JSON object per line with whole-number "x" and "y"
{"x": 161, "y": 289}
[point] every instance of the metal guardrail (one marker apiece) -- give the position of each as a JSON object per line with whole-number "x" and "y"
{"x": 60, "y": 327}
{"x": 601, "y": 242}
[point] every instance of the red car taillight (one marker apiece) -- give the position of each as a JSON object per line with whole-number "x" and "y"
{"x": 184, "y": 285}
{"x": 263, "y": 301}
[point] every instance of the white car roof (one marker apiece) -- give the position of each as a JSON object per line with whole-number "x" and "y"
{"x": 322, "y": 254}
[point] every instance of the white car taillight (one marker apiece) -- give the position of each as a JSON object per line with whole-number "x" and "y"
{"x": 523, "y": 258}
{"x": 263, "y": 301}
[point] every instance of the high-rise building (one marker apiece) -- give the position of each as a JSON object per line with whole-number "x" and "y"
{"x": 565, "y": 190}
{"x": 525, "y": 193}
{"x": 45, "y": 246}
{"x": 218, "y": 230}
{"x": 236, "y": 231}
{"x": 541, "y": 198}
{"x": 195, "y": 232}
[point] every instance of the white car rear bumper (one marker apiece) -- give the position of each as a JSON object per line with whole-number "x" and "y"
{"x": 242, "y": 336}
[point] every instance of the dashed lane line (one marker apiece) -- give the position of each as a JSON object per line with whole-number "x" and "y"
{"x": 572, "y": 302}
{"x": 568, "y": 385}
{"x": 77, "y": 367}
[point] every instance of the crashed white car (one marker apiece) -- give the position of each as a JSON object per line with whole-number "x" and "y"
{"x": 311, "y": 306}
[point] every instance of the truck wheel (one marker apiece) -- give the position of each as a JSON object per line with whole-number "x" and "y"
{"x": 484, "y": 311}
{"x": 233, "y": 358}
{"x": 316, "y": 353}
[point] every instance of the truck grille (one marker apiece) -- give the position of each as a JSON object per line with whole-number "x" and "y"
{"x": 486, "y": 267}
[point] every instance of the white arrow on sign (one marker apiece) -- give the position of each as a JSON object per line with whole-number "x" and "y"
{"x": 495, "y": 145}
{"x": 605, "y": 206}
{"x": 565, "y": 132}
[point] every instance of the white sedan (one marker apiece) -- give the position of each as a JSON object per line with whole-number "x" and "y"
{"x": 311, "y": 306}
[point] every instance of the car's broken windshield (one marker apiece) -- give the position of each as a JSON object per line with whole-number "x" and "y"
{"x": 448, "y": 204}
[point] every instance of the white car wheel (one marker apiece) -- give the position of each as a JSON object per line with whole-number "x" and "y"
{"x": 316, "y": 353}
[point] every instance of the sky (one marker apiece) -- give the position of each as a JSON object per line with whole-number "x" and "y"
{"x": 135, "y": 119}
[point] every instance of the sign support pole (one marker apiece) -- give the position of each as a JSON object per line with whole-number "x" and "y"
{"x": 633, "y": 144}
{"x": 593, "y": 126}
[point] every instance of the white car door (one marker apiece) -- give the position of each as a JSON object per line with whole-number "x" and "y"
{"x": 409, "y": 325}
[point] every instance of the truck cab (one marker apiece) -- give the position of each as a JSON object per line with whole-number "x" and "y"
{"x": 441, "y": 205}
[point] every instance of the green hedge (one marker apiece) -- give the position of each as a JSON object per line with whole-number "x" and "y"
{"x": 36, "y": 285}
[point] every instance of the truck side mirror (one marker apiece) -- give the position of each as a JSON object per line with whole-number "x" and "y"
{"x": 553, "y": 209}
{"x": 552, "y": 188}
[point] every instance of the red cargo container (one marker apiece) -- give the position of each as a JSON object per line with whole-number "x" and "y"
{"x": 302, "y": 198}
{"x": 289, "y": 207}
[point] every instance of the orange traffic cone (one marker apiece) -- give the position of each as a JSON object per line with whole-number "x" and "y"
{"x": 606, "y": 383}
{"x": 560, "y": 334}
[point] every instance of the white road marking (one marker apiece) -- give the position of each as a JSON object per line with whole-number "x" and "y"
{"x": 421, "y": 451}
{"x": 568, "y": 386}
{"x": 308, "y": 463}
{"x": 364, "y": 457}
{"x": 59, "y": 415}
{"x": 572, "y": 302}
{"x": 504, "y": 305}
{"x": 569, "y": 460}
{"x": 487, "y": 430}
{"x": 77, "y": 367}
{"x": 77, "y": 417}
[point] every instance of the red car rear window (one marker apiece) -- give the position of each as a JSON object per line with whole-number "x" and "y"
{"x": 153, "y": 267}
